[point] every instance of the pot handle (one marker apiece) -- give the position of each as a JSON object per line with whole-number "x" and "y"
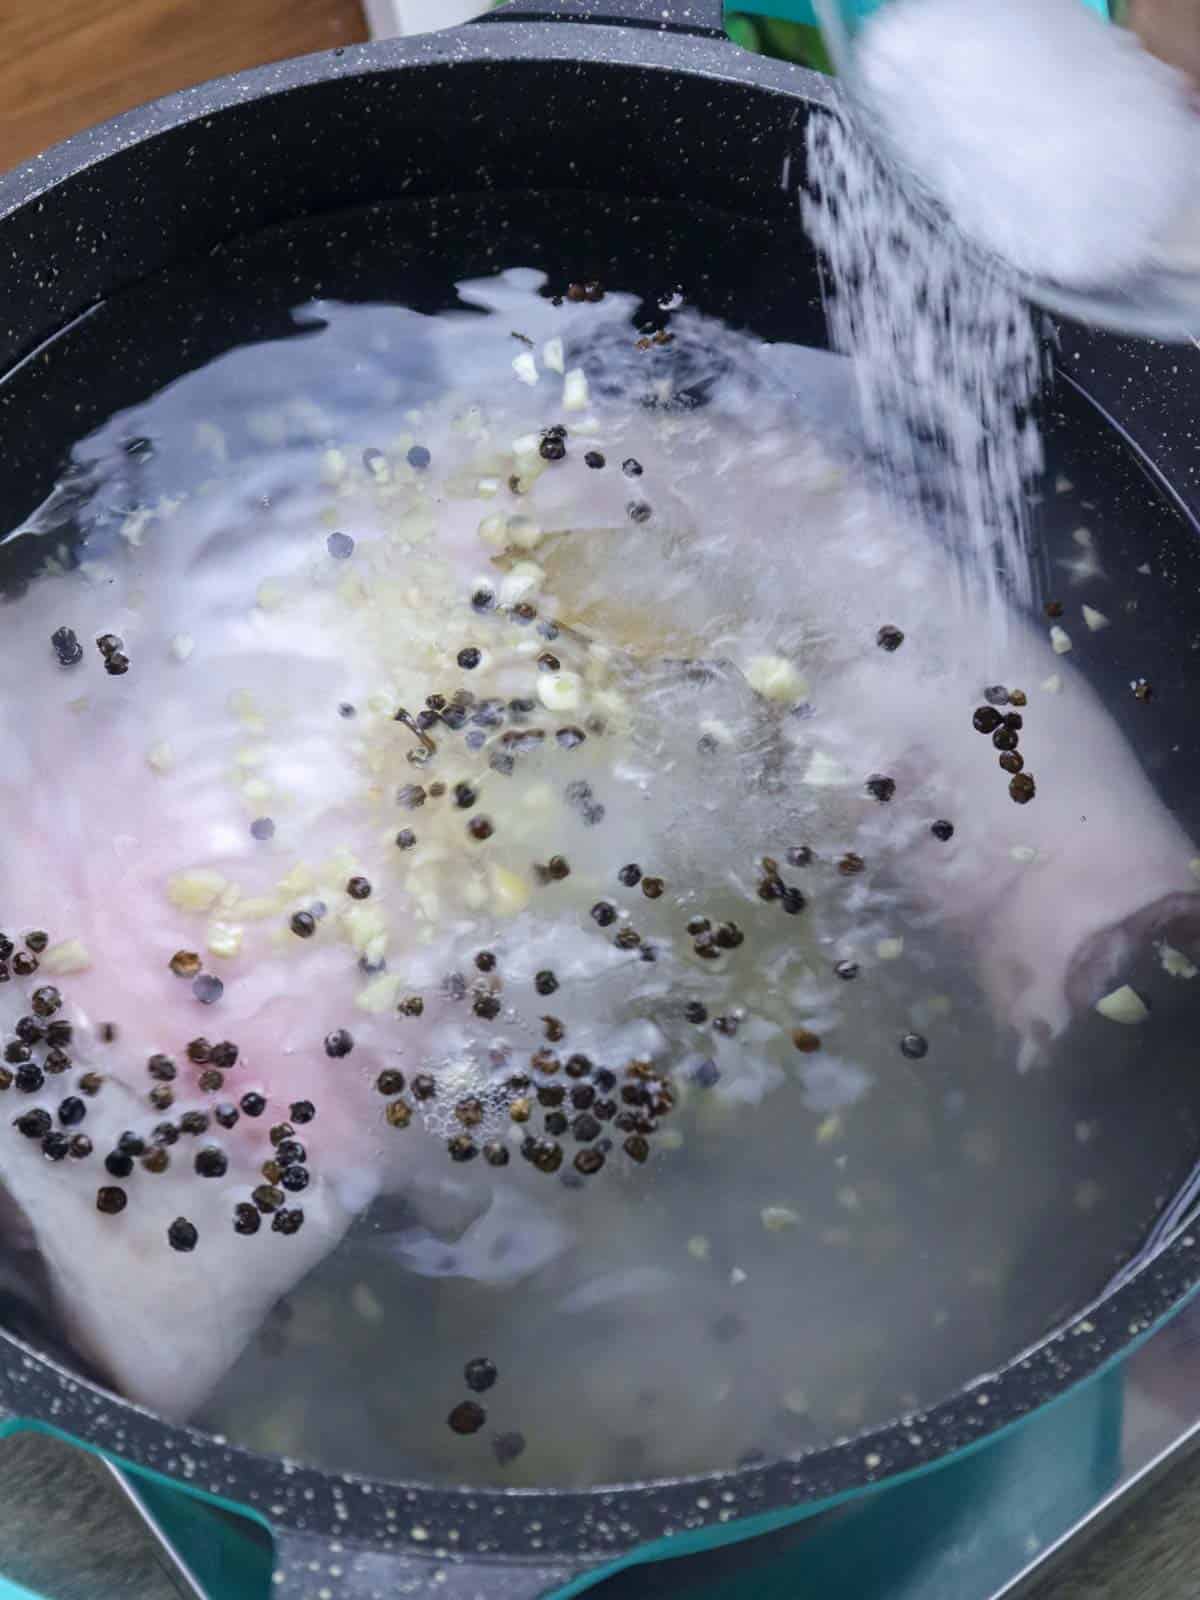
{"x": 705, "y": 17}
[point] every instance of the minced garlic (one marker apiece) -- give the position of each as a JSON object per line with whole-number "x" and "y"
{"x": 71, "y": 955}
{"x": 197, "y": 890}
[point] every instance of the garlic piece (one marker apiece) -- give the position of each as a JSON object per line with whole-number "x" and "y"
{"x": 182, "y": 646}
{"x": 775, "y": 1219}
{"x": 775, "y": 678}
{"x": 576, "y": 395}
{"x": 824, "y": 772}
{"x": 524, "y": 533}
{"x": 510, "y": 893}
{"x": 1060, "y": 640}
{"x": 560, "y": 691}
{"x": 1094, "y": 619}
{"x": 889, "y": 949}
{"x": 1123, "y": 1005}
{"x": 525, "y": 368}
{"x": 552, "y": 355}
{"x": 224, "y": 939}
{"x": 160, "y": 758}
{"x": 1053, "y": 684}
{"x": 71, "y": 955}
{"x": 1175, "y": 963}
{"x": 381, "y": 994}
{"x": 195, "y": 891}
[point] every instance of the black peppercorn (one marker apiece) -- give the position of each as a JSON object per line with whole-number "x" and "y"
{"x": 359, "y": 888}
{"x": 480, "y": 1374}
{"x": 406, "y": 838}
{"x": 29, "y": 1078}
{"x": 303, "y": 924}
{"x": 211, "y": 1162}
{"x": 636, "y": 1147}
{"x": 302, "y": 1111}
{"x": 943, "y": 831}
{"x": 1022, "y": 788}
{"x": 294, "y": 1179}
{"x": 67, "y": 647}
{"x": 594, "y": 459}
{"x": 847, "y": 971}
{"x": 339, "y": 1043}
{"x": 199, "y": 1050}
{"x": 545, "y": 982}
{"x": 55, "y": 1146}
{"x": 72, "y": 1110}
{"x": 252, "y": 1104}
{"x": 35, "y": 1124}
{"x": 1012, "y": 761}
{"x": 914, "y": 1046}
{"x": 226, "y": 1114}
{"x": 24, "y": 965}
{"x": 390, "y": 1081}
{"x": 881, "y": 788}
{"x": 287, "y": 1222}
{"x": 889, "y": 638}
{"x": 424, "y": 1087}
{"x": 267, "y": 1198}
{"x": 182, "y": 1235}
{"x": 45, "y": 1000}
{"x": 246, "y": 1218}
{"x": 467, "y": 1417}
{"x": 111, "y": 1200}
{"x": 986, "y": 719}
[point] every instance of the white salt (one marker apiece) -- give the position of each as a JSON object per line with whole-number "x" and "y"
{"x": 1052, "y": 138}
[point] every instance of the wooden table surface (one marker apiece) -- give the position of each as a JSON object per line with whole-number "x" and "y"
{"x": 65, "y": 64}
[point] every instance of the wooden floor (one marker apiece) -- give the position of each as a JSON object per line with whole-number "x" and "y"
{"x": 65, "y": 64}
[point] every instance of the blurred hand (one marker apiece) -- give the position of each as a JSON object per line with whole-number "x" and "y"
{"x": 1171, "y": 29}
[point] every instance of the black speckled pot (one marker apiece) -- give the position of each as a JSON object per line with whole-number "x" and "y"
{"x": 575, "y": 101}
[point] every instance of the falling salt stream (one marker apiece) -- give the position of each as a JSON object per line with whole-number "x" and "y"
{"x": 947, "y": 362}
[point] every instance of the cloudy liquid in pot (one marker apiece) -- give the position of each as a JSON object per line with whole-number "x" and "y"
{"x": 703, "y": 1127}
